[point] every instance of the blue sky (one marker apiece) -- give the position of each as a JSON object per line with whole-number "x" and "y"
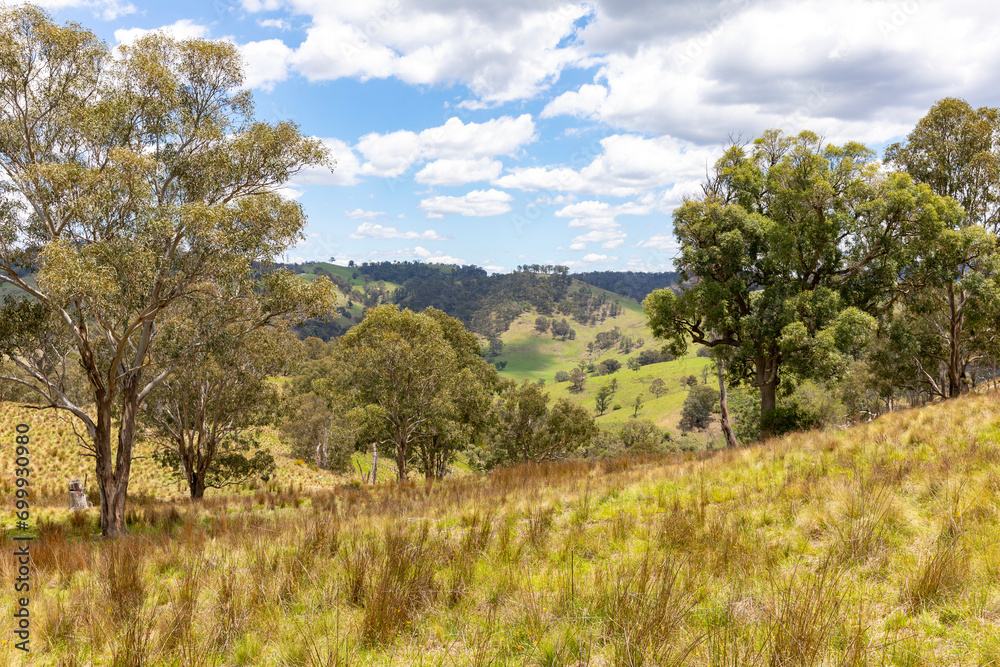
{"x": 512, "y": 132}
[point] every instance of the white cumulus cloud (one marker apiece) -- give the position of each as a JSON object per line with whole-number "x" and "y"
{"x": 478, "y": 203}
{"x": 362, "y": 214}
{"x": 392, "y": 154}
{"x": 458, "y": 171}
{"x": 371, "y": 230}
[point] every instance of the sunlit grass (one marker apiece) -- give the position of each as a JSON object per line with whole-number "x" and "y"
{"x": 870, "y": 546}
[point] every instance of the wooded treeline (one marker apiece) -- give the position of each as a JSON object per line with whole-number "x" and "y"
{"x": 810, "y": 264}
{"x": 486, "y": 304}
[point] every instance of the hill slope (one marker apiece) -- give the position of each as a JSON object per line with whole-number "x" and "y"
{"x": 533, "y": 355}
{"x": 874, "y": 545}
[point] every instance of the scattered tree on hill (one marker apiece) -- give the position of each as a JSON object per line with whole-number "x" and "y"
{"x": 413, "y": 381}
{"x": 628, "y": 343}
{"x": 605, "y": 340}
{"x": 316, "y": 434}
{"x": 658, "y": 387}
{"x": 146, "y": 181}
{"x": 637, "y": 405}
{"x": 208, "y": 410}
{"x": 475, "y": 384}
{"x": 641, "y": 436}
{"x": 541, "y": 324}
{"x": 955, "y": 150}
{"x": 608, "y": 366}
{"x": 577, "y": 377}
{"x": 698, "y": 407}
{"x": 562, "y": 376}
{"x": 647, "y": 357}
{"x": 634, "y": 437}
{"x": 562, "y": 329}
{"x": 495, "y": 348}
{"x": 603, "y": 399}
{"x": 633, "y": 363}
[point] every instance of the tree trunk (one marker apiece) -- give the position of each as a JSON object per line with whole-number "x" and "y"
{"x": 956, "y": 368}
{"x": 112, "y": 510}
{"x": 113, "y": 476}
{"x": 767, "y": 380}
{"x": 374, "y": 463}
{"x": 401, "y": 461}
{"x": 197, "y": 485}
{"x": 727, "y": 429}
{"x": 768, "y": 403}
{"x": 110, "y": 483}
{"x": 321, "y": 453}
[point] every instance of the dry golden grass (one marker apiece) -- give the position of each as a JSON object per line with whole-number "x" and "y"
{"x": 871, "y": 546}
{"x": 56, "y": 458}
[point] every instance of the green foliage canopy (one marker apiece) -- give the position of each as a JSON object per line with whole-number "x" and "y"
{"x": 794, "y": 244}
{"x": 133, "y": 181}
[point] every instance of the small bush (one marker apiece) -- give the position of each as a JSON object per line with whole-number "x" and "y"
{"x": 698, "y": 407}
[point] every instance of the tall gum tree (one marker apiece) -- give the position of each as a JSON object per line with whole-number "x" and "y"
{"x": 955, "y": 150}
{"x": 132, "y": 181}
{"x": 793, "y": 244}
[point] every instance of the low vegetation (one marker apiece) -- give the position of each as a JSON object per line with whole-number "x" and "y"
{"x": 873, "y": 545}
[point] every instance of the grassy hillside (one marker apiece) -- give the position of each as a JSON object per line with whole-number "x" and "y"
{"x": 665, "y": 411}
{"x": 56, "y": 459}
{"x": 531, "y": 355}
{"x": 870, "y": 546}
{"x": 355, "y": 308}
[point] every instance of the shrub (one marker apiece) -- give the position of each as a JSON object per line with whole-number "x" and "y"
{"x": 562, "y": 376}
{"x": 647, "y": 357}
{"x": 698, "y": 407}
{"x": 608, "y": 366}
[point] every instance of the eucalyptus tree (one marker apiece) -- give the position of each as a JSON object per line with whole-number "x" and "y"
{"x": 790, "y": 249}
{"x": 415, "y": 382}
{"x": 525, "y": 429}
{"x": 208, "y": 413}
{"x": 475, "y": 384}
{"x": 955, "y": 150}
{"x": 133, "y": 180}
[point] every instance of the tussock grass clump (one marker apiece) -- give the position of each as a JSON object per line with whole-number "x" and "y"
{"x": 400, "y": 585}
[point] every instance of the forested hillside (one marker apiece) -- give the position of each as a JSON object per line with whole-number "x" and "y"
{"x": 633, "y": 284}
{"x": 486, "y": 304}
